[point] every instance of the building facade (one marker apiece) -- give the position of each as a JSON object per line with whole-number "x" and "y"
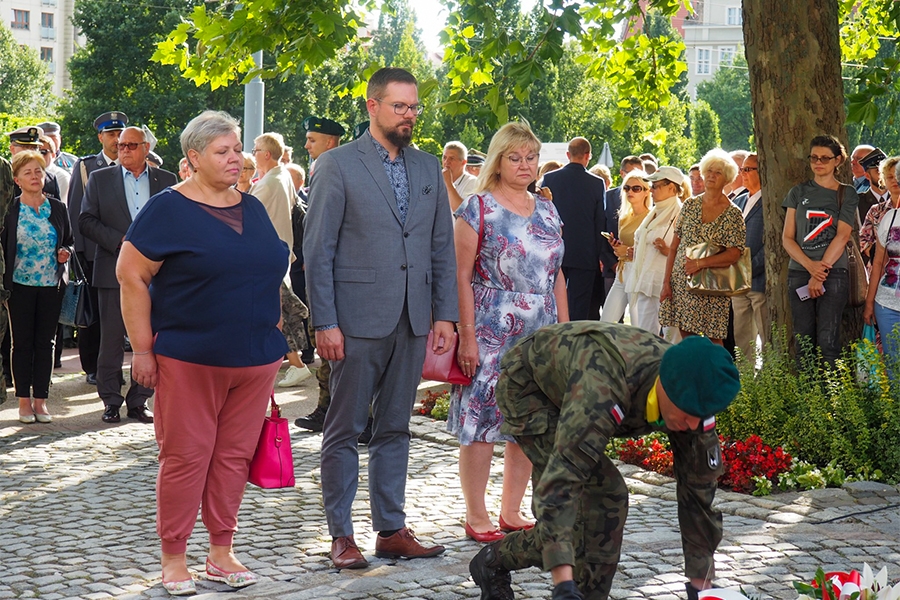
{"x": 713, "y": 36}
{"x": 46, "y": 26}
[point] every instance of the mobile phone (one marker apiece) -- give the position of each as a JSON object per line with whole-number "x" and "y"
{"x": 803, "y": 292}
{"x": 608, "y": 235}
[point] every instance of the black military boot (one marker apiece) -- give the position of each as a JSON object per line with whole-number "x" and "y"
{"x": 494, "y": 581}
{"x": 314, "y": 421}
{"x": 692, "y": 592}
{"x": 567, "y": 590}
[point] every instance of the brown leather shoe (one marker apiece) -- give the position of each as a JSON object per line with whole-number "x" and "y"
{"x": 404, "y": 544}
{"x": 345, "y": 554}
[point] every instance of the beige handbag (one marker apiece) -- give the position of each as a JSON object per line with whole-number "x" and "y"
{"x": 719, "y": 281}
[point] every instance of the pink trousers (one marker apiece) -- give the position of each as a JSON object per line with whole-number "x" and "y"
{"x": 208, "y": 421}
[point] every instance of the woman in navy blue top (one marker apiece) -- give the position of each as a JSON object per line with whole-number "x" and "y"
{"x": 200, "y": 271}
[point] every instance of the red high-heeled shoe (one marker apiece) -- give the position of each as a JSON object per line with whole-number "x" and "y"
{"x": 504, "y": 526}
{"x": 485, "y": 537}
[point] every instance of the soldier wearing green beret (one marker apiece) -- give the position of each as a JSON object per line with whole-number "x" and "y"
{"x": 6, "y": 196}
{"x": 564, "y": 392}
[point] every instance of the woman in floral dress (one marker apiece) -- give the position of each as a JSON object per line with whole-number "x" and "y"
{"x": 509, "y": 252}
{"x": 709, "y": 217}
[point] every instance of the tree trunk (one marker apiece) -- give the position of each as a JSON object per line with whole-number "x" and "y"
{"x": 794, "y": 56}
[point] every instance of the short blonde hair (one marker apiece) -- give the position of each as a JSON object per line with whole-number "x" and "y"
{"x": 719, "y": 158}
{"x": 625, "y": 208}
{"x": 273, "y": 143}
{"x": 510, "y": 136}
{"x": 602, "y": 171}
{"x": 20, "y": 159}
{"x": 888, "y": 165}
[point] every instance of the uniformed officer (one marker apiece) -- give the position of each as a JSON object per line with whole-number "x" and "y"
{"x": 108, "y": 125}
{"x": 29, "y": 138}
{"x": 63, "y": 160}
{"x": 6, "y": 197}
{"x": 564, "y": 392}
{"x": 321, "y": 136}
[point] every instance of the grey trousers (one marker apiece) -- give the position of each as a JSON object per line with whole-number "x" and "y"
{"x": 387, "y": 371}
{"x": 112, "y": 351}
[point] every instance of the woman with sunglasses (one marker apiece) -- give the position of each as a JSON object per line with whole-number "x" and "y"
{"x": 821, "y": 213}
{"x": 635, "y": 205}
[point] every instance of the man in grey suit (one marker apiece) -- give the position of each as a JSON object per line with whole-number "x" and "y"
{"x": 113, "y": 197}
{"x": 108, "y": 125}
{"x": 380, "y": 267}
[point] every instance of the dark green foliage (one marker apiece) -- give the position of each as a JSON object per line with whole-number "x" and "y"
{"x": 24, "y": 89}
{"x": 821, "y": 414}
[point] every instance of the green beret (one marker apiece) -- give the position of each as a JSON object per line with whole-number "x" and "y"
{"x": 320, "y": 125}
{"x": 699, "y": 376}
{"x": 360, "y": 129}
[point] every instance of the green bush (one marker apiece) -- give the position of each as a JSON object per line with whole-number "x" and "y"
{"x": 831, "y": 418}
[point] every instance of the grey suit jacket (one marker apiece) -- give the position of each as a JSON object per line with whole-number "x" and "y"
{"x": 105, "y": 219}
{"x": 362, "y": 264}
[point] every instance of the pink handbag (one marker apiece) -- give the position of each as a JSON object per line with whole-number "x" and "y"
{"x": 272, "y": 466}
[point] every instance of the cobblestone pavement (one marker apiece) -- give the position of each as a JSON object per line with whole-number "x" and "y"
{"x": 77, "y": 520}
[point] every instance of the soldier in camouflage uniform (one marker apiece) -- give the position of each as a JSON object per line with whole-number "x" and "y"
{"x": 564, "y": 392}
{"x": 6, "y": 197}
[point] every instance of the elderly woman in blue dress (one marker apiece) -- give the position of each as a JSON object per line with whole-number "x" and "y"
{"x": 509, "y": 251}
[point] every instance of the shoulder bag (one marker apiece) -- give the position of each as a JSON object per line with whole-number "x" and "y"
{"x": 719, "y": 281}
{"x": 859, "y": 278}
{"x": 78, "y": 308}
{"x": 272, "y": 466}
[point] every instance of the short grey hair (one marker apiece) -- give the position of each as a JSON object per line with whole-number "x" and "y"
{"x": 205, "y": 127}
{"x": 460, "y": 149}
{"x": 719, "y": 158}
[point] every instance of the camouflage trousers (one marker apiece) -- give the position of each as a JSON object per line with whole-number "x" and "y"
{"x": 598, "y": 529}
{"x": 293, "y": 311}
{"x": 4, "y": 331}
{"x": 323, "y": 374}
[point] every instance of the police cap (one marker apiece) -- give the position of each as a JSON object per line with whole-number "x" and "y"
{"x": 872, "y": 159}
{"x": 26, "y": 136}
{"x": 49, "y": 127}
{"x": 321, "y": 125}
{"x": 475, "y": 160}
{"x": 111, "y": 121}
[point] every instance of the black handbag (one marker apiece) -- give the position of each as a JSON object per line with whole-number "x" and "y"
{"x": 78, "y": 309}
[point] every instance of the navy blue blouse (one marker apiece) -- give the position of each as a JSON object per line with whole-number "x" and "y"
{"x": 216, "y": 298}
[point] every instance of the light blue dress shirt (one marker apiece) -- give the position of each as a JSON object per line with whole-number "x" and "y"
{"x": 137, "y": 190}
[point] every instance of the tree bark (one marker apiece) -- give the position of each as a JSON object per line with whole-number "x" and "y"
{"x": 794, "y": 56}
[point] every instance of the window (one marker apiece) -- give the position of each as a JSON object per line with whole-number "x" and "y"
{"x": 20, "y": 19}
{"x": 726, "y": 55}
{"x": 48, "y": 32}
{"x": 703, "y": 59}
{"x": 47, "y": 57}
{"x": 735, "y": 17}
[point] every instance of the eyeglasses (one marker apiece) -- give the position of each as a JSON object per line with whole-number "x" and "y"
{"x": 130, "y": 145}
{"x": 660, "y": 184}
{"x": 401, "y": 109}
{"x": 249, "y": 168}
{"x": 819, "y": 159}
{"x": 255, "y": 150}
{"x": 748, "y": 169}
{"x": 634, "y": 188}
{"x": 531, "y": 159}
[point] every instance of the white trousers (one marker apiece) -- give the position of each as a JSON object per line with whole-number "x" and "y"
{"x": 751, "y": 317}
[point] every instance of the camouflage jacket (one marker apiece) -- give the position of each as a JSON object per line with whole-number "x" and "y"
{"x": 7, "y": 186}
{"x": 584, "y": 383}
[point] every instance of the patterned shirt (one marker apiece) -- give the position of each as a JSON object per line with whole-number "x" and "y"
{"x": 36, "y": 260}
{"x": 396, "y": 173}
{"x": 868, "y": 231}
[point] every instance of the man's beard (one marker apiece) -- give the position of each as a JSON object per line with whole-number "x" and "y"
{"x": 398, "y": 138}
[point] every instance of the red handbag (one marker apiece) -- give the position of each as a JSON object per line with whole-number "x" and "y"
{"x": 443, "y": 367}
{"x": 272, "y": 466}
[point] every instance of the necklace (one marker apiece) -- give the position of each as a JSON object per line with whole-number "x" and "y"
{"x": 522, "y": 211}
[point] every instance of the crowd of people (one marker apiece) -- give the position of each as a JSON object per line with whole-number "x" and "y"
{"x": 215, "y": 275}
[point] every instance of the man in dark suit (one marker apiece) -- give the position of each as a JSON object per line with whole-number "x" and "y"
{"x": 113, "y": 197}
{"x": 579, "y": 198}
{"x": 108, "y": 125}
{"x": 380, "y": 269}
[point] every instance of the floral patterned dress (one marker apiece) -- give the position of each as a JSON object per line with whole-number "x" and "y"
{"x": 513, "y": 284}
{"x": 696, "y": 313}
